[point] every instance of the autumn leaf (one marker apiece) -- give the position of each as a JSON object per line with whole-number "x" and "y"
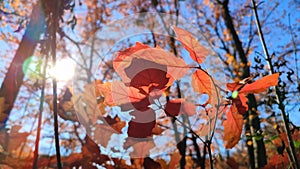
{"x": 258, "y": 86}
{"x": 142, "y": 124}
{"x": 92, "y": 154}
{"x": 179, "y": 106}
{"x": 117, "y": 93}
{"x": 278, "y": 161}
{"x": 12, "y": 140}
{"x": 141, "y": 146}
{"x": 240, "y": 103}
{"x": 232, "y": 127}
{"x": 127, "y": 52}
{"x": 241, "y": 89}
{"x": 149, "y": 163}
{"x": 201, "y": 83}
{"x": 261, "y": 85}
{"x": 147, "y": 75}
{"x": 103, "y": 131}
{"x": 175, "y": 159}
{"x": 143, "y": 59}
{"x": 197, "y": 52}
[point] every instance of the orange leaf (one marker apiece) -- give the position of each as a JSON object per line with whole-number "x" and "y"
{"x": 232, "y": 127}
{"x": 202, "y": 83}
{"x": 261, "y": 85}
{"x": 144, "y": 59}
{"x": 12, "y": 140}
{"x": 197, "y": 52}
{"x": 127, "y": 52}
{"x": 141, "y": 147}
{"x": 116, "y": 93}
{"x": 175, "y": 159}
{"x": 278, "y": 161}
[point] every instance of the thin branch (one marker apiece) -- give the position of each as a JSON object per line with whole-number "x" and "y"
{"x": 54, "y": 82}
{"x": 41, "y": 108}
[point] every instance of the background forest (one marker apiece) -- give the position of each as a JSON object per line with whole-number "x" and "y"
{"x": 216, "y": 84}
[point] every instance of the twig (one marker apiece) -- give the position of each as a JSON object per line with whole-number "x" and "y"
{"x": 293, "y": 156}
{"x": 38, "y": 132}
{"x": 54, "y": 82}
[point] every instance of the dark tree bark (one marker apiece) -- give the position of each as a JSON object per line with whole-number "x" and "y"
{"x": 14, "y": 76}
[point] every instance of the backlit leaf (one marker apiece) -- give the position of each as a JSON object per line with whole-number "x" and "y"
{"x": 116, "y": 93}
{"x": 127, "y": 52}
{"x": 142, "y": 124}
{"x": 232, "y": 127}
{"x": 261, "y": 85}
{"x": 143, "y": 59}
{"x": 201, "y": 83}
{"x": 179, "y": 106}
{"x": 197, "y": 52}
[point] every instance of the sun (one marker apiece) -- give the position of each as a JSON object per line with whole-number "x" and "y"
{"x": 63, "y": 70}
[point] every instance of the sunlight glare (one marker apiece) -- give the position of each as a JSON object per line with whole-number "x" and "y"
{"x": 63, "y": 70}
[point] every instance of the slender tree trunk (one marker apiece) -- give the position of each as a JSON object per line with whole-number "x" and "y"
{"x": 256, "y": 147}
{"x": 14, "y": 77}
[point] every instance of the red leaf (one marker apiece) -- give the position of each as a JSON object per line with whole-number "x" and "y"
{"x": 197, "y": 52}
{"x": 147, "y": 75}
{"x": 261, "y": 85}
{"x": 142, "y": 124}
{"x": 278, "y": 161}
{"x": 232, "y": 127}
{"x": 241, "y": 103}
{"x": 176, "y": 106}
{"x": 201, "y": 83}
{"x": 149, "y": 163}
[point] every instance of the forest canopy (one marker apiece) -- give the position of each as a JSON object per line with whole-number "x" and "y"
{"x": 149, "y": 84}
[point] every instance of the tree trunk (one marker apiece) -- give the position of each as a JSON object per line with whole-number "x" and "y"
{"x": 14, "y": 76}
